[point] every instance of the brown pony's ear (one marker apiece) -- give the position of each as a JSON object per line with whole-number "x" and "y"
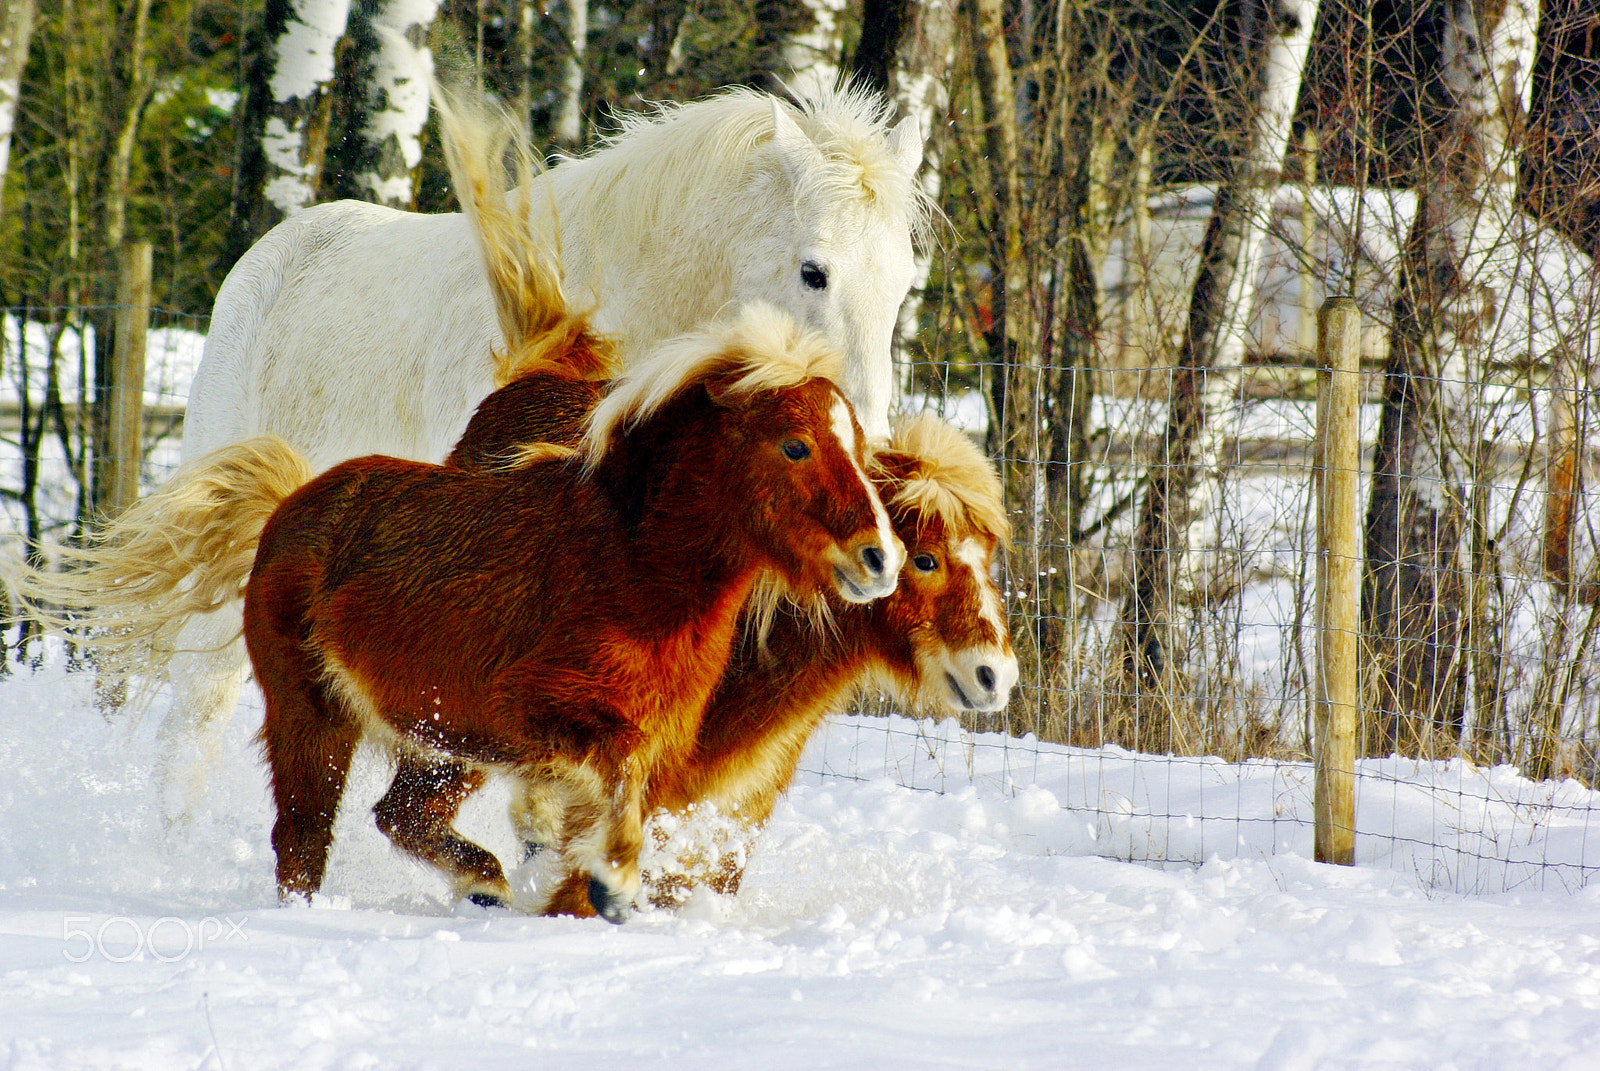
{"x": 894, "y": 465}
{"x": 720, "y": 390}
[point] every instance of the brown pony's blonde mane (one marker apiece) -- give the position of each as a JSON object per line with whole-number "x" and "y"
{"x": 761, "y": 348}
{"x": 541, "y": 330}
{"x": 524, "y": 455}
{"x": 954, "y": 482}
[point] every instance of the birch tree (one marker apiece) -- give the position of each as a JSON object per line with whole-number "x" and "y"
{"x": 16, "y": 32}
{"x": 797, "y": 44}
{"x": 388, "y": 106}
{"x": 283, "y": 117}
{"x": 1183, "y": 500}
{"x": 920, "y": 59}
{"x": 568, "y": 129}
{"x": 1452, "y": 286}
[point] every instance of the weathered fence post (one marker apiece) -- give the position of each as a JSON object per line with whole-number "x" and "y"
{"x": 1338, "y": 599}
{"x": 125, "y": 403}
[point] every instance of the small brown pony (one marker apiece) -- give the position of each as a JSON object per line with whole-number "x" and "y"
{"x": 567, "y": 620}
{"x": 939, "y": 641}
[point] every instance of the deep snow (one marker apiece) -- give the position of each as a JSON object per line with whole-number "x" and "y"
{"x": 879, "y": 926}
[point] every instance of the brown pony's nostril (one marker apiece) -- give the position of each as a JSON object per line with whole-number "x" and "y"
{"x": 872, "y": 558}
{"x": 985, "y": 677}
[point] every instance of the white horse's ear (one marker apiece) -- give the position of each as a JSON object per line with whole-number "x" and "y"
{"x": 796, "y": 154}
{"x": 905, "y": 144}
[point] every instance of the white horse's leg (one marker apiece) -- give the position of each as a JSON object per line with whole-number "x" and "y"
{"x": 207, "y": 674}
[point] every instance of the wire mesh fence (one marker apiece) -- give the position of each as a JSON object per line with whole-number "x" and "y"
{"x": 48, "y": 408}
{"x": 1447, "y": 800}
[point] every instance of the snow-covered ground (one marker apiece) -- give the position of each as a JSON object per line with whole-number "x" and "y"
{"x": 985, "y": 919}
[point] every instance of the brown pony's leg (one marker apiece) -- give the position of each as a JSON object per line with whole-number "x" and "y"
{"x": 602, "y": 835}
{"x": 757, "y": 799}
{"x": 416, "y": 815}
{"x": 587, "y": 751}
{"x": 309, "y": 738}
{"x": 537, "y": 815}
{"x": 571, "y": 897}
{"x": 745, "y": 782}
{"x": 308, "y": 732}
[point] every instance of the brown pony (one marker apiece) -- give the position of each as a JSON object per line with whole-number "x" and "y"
{"x": 567, "y": 620}
{"x": 939, "y": 641}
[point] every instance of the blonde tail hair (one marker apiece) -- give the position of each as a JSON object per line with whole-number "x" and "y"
{"x": 542, "y": 332}
{"x": 186, "y": 549}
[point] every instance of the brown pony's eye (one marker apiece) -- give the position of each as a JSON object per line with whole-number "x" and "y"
{"x": 926, "y": 562}
{"x": 795, "y": 450}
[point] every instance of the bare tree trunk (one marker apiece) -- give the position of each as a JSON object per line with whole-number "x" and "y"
{"x": 1013, "y": 389}
{"x": 1182, "y": 497}
{"x": 527, "y": 12}
{"x": 133, "y": 86}
{"x": 16, "y": 31}
{"x": 569, "y": 115}
{"x": 1452, "y": 284}
{"x": 883, "y": 24}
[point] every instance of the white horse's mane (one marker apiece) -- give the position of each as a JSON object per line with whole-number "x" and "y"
{"x": 674, "y": 149}
{"x": 762, "y": 346}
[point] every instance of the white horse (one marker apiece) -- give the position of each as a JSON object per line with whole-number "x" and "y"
{"x": 353, "y": 329}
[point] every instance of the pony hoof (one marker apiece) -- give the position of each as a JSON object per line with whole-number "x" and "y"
{"x": 487, "y": 899}
{"x": 606, "y": 904}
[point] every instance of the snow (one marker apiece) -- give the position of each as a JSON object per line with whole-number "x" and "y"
{"x": 984, "y": 919}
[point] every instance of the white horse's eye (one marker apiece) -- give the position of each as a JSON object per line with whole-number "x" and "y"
{"x": 814, "y": 275}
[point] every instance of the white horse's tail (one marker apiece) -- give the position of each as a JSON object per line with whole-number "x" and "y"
{"x": 185, "y": 550}
{"x": 541, "y": 330}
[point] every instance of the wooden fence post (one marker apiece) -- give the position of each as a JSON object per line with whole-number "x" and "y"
{"x": 1338, "y": 599}
{"x": 125, "y": 403}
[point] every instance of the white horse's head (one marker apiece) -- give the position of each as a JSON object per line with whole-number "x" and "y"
{"x": 831, "y": 241}
{"x": 696, "y": 209}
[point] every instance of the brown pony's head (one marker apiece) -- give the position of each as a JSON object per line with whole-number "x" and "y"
{"x": 944, "y": 498}
{"x": 780, "y": 437}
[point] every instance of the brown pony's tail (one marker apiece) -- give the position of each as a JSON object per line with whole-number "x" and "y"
{"x": 186, "y": 549}
{"x": 542, "y": 332}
